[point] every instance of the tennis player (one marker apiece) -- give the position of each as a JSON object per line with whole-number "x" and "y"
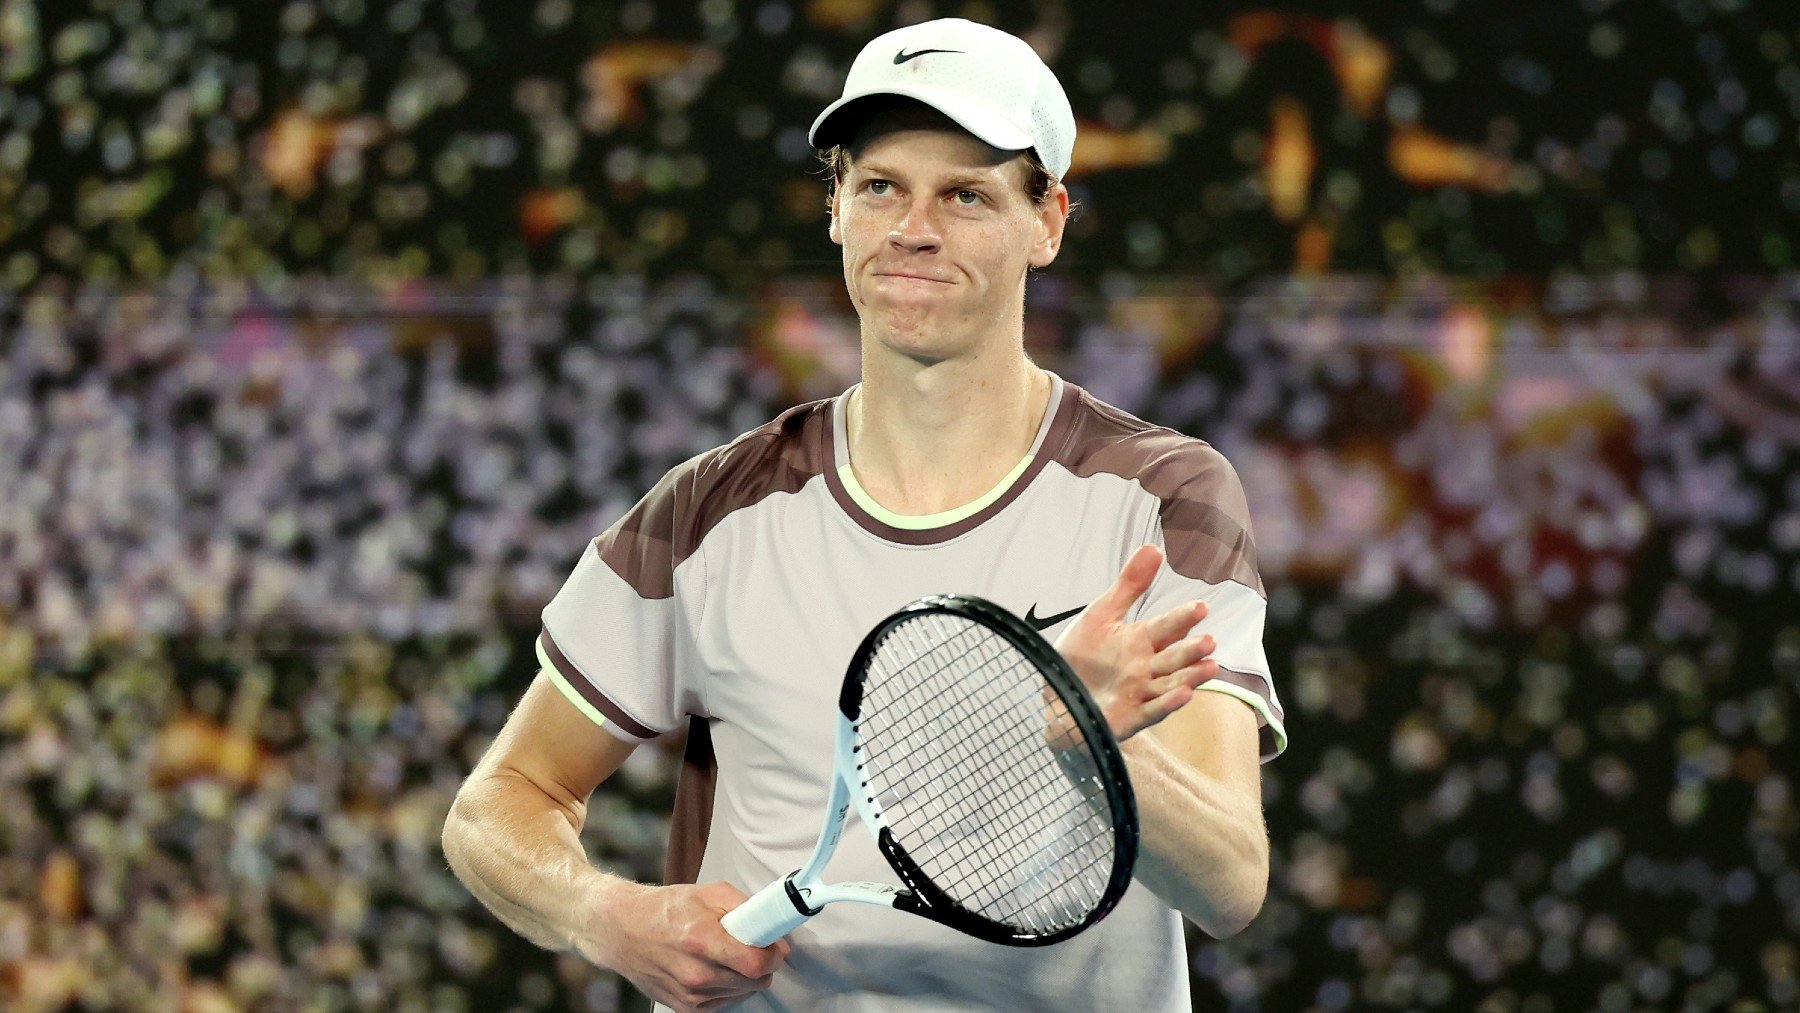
{"x": 731, "y": 597}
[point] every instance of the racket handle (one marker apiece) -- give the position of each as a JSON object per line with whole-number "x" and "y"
{"x": 773, "y": 912}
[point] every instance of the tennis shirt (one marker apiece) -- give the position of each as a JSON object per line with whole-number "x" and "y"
{"x": 731, "y": 598}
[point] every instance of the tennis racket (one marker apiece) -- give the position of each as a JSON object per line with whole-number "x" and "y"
{"x": 986, "y": 773}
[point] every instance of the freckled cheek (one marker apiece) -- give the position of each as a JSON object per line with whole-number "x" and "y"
{"x": 863, "y": 237}
{"x": 988, "y": 253}
{"x": 854, "y": 240}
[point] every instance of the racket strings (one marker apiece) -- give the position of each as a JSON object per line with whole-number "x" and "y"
{"x": 923, "y": 735}
{"x": 1039, "y": 862}
{"x": 985, "y": 780}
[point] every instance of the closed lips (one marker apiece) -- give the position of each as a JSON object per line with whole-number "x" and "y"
{"x": 915, "y": 277}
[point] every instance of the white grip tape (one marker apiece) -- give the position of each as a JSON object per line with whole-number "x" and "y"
{"x": 765, "y": 917}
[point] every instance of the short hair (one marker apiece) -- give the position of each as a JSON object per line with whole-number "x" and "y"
{"x": 1038, "y": 182}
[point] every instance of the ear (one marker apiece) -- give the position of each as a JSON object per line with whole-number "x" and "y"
{"x": 1053, "y": 218}
{"x": 836, "y": 230}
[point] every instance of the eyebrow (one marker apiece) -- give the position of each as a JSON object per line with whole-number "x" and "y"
{"x": 958, "y": 180}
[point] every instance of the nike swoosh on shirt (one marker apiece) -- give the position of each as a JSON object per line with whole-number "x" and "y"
{"x": 903, "y": 56}
{"x": 1042, "y": 624}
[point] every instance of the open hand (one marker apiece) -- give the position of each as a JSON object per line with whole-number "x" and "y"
{"x": 1139, "y": 673}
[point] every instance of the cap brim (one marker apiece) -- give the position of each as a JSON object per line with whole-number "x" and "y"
{"x": 978, "y": 119}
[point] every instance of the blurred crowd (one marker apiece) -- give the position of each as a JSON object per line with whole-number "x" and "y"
{"x": 1537, "y": 574}
{"x": 270, "y": 563}
{"x": 228, "y": 460}
{"x": 407, "y": 139}
{"x": 331, "y": 330}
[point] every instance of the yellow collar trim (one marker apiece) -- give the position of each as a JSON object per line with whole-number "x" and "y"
{"x": 923, "y": 522}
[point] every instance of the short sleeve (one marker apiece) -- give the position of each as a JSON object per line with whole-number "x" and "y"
{"x": 615, "y": 638}
{"x": 1203, "y": 527}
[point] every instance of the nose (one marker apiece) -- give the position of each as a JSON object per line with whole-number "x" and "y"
{"x": 917, "y": 231}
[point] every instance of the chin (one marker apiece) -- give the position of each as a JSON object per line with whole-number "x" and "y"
{"x": 916, "y": 336}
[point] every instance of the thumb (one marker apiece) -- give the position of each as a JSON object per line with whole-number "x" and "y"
{"x": 1133, "y": 581}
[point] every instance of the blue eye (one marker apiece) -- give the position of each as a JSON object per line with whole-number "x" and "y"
{"x": 878, "y": 187}
{"x": 967, "y": 198}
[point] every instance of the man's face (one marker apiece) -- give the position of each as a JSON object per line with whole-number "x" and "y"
{"x": 938, "y": 232}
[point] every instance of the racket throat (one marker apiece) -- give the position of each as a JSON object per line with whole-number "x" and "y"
{"x": 795, "y": 895}
{"x": 809, "y": 897}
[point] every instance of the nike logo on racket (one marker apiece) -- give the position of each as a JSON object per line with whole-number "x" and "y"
{"x": 1040, "y": 625}
{"x": 902, "y": 56}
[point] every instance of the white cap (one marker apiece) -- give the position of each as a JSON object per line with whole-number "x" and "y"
{"x": 992, "y": 84}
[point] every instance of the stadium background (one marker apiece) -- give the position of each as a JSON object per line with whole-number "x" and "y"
{"x": 333, "y": 329}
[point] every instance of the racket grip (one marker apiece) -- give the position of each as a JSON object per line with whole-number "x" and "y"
{"x": 771, "y": 913}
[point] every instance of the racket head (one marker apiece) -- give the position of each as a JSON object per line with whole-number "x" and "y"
{"x": 1013, "y": 832}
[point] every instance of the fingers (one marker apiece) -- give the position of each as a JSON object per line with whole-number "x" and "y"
{"x": 748, "y": 962}
{"x": 1174, "y": 624}
{"x": 1181, "y": 654}
{"x": 700, "y": 984}
{"x": 713, "y": 982}
{"x": 1172, "y": 692}
{"x": 733, "y": 988}
{"x": 1165, "y": 705}
{"x": 726, "y": 969}
{"x": 1161, "y": 697}
{"x": 1131, "y": 584}
{"x": 722, "y": 948}
{"x": 1189, "y": 676}
{"x": 708, "y": 977}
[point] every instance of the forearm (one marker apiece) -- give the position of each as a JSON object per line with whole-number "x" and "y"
{"x": 1204, "y": 847}
{"x": 520, "y": 854}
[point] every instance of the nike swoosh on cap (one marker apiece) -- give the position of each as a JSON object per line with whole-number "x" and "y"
{"x": 1032, "y": 619}
{"x": 902, "y": 56}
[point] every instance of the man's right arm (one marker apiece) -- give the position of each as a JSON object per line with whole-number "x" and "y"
{"x": 513, "y": 836}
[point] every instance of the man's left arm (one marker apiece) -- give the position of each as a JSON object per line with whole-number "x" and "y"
{"x": 1192, "y": 741}
{"x": 1188, "y": 688}
{"x": 1204, "y": 847}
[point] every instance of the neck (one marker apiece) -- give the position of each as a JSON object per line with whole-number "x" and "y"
{"x": 930, "y": 437}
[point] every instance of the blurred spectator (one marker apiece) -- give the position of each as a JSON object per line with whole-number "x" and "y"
{"x": 403, "y": 139}
{"x": 270, "y": 562}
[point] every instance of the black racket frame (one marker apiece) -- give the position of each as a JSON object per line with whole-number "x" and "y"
{"x": 924, "y": 897}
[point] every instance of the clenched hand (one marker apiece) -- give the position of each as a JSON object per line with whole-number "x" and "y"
{"x": 668, "y": 941}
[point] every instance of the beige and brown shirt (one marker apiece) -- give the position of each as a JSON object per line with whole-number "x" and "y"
{"x": 732, "y": 596}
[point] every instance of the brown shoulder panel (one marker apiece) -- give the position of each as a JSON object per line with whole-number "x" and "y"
{"x": 666, "y": 526}
{"x": 1205, "y": 518}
